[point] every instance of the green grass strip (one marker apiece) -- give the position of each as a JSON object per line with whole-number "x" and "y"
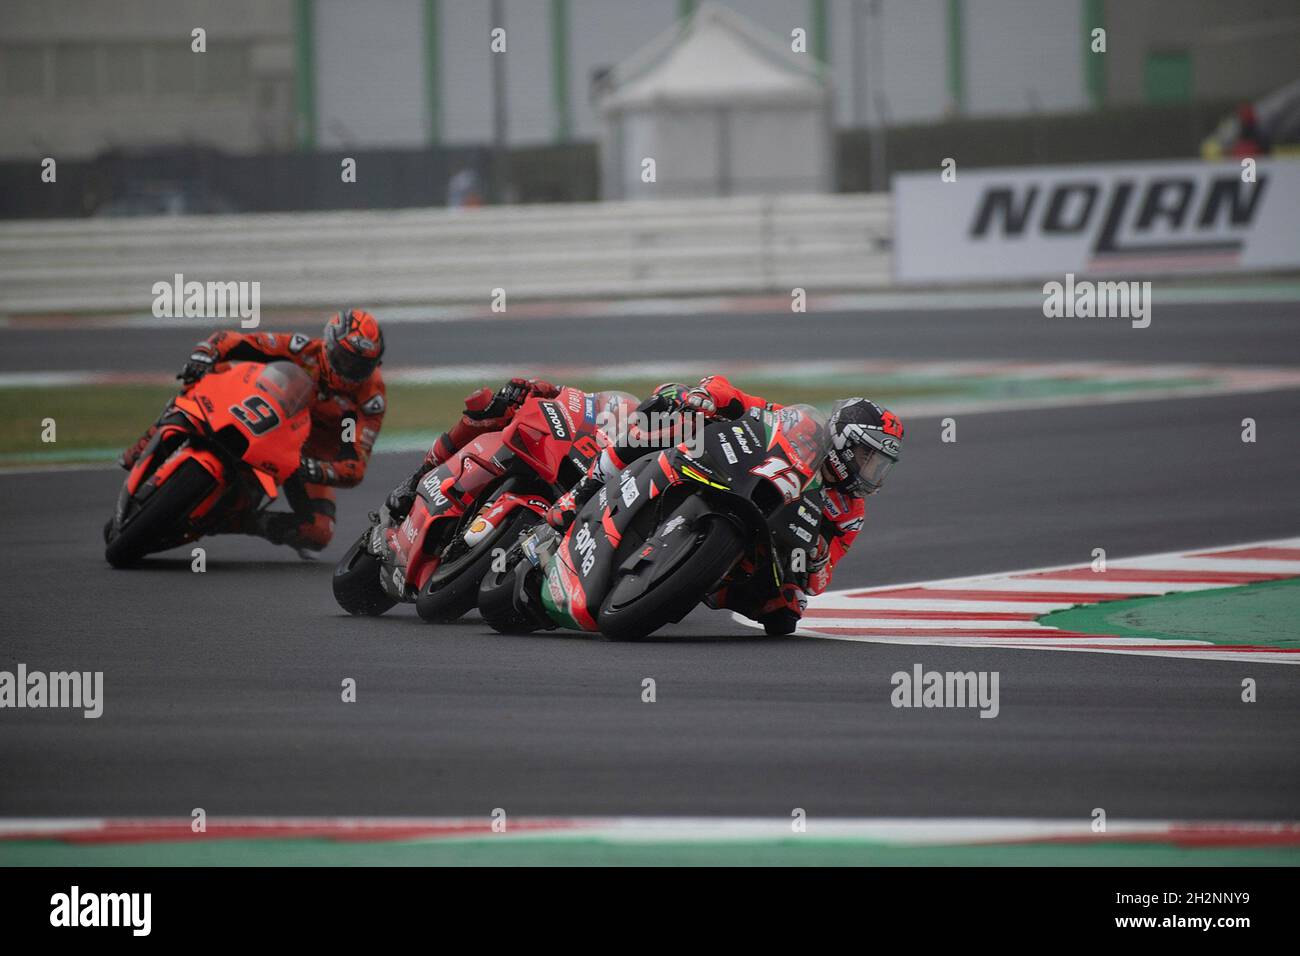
{"x": 578, "y": 851}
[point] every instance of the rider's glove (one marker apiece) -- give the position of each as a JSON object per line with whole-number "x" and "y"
{"x": 541, "y": 388}
{"x": 484, "y": 407}
{"x": 311, "y": 471}
{"x": 821, "y": 557}
{"x": 699, "y": 400}
{"x": 488, "y": 411}
{"x": 402, "y": 497}
{"x": 200, "y": 363}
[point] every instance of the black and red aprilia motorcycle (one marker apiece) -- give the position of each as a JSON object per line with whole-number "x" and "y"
{"x": 664, "y": 532}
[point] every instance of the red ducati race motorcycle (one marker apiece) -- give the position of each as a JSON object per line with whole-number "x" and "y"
{"x": 225, "y": 446}
{"x": 471, "y": 506}
{"x": 664, "y": 532}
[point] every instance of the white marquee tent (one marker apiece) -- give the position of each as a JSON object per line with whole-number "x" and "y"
{"x": 723, "y": 108}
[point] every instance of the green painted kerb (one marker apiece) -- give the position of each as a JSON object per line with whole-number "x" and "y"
{"x": 433, "y": 69}
{"x": 956, "y": 58}
{"x": 305, "y": 71}
{"x": 1267, "y": 614}
{"x": 1094, "y": 64}
{"x": 560, "y": 68}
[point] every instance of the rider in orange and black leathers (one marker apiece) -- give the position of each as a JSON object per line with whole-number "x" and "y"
{"x": 344, "y": 363}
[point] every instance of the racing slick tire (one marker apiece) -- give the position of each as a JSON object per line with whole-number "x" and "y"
{"x": 719, "y": 545}
{"x": 356, "y": 582}
{"x": 496, "y": 599}
{"x": 452, "y": 591}
{"x": 155, "y": 520}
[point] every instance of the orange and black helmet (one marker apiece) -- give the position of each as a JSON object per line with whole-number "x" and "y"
{"x": 354, "y": 345}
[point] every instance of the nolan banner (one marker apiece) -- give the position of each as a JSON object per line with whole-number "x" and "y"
{"x": 1133, "y": 219}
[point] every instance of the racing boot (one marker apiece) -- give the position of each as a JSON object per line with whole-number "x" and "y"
{"x": 277, "y": 527}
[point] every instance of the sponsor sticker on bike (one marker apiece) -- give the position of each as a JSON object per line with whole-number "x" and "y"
{"x": 555, "y": 420}
{"x": 586, "y": 544}
{"x": 629, "y": 490}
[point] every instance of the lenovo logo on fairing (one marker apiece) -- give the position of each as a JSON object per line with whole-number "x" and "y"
{"x": 1121, "y": 215}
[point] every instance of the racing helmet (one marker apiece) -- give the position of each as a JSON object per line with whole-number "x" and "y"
{"x": 354, "y": 346}
{"x": 865, "y": 444}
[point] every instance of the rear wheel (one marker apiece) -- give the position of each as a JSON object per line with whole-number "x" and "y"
{"x": 719, "y": 544}
{"x": 356, "y": 582}
{"x": 453, "y": 589}
{"x": 156, "y": 521}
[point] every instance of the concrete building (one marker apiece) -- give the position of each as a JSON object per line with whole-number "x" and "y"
{"x": 78, "y": 78}
{"x": 81, "y": 76}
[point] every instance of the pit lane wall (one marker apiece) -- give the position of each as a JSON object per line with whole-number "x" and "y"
{"x": 985, "y": 226}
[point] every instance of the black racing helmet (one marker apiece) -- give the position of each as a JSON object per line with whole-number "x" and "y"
{"x": 866, "y": 441}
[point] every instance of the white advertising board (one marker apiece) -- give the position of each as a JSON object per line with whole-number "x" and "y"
{"x": 1138, "y": 219}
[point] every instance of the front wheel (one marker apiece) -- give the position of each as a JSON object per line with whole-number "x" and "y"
{"x": 356, "y": 582}
{"x": 496, "y": 598}
{"x": 156, "y": 521}
{"x": 452, "y": 591}
{"x": 719, "y": 544}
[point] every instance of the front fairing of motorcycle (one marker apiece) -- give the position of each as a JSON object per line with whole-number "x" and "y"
{"x": 581, "y": 570}
{"x": 556, "y": 437}
{"x": 410, "y": 550}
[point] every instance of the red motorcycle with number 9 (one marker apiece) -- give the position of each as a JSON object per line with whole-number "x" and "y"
{"x": 225, "y": 445}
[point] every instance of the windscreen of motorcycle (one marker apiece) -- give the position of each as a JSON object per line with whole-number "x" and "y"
{"x": 289, "y": 385}
{"x": 804, "y": 429}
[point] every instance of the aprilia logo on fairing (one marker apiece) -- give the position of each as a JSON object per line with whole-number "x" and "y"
{"x": 587, "y": 548}
{"x": 1120, "y": 213}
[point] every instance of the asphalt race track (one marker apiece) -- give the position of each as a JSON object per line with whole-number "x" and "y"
{"x": 222, "y": 690}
